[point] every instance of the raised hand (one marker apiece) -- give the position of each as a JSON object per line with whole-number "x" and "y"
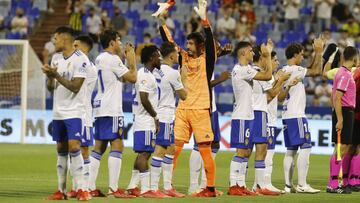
{"x": 49, "y": 71}
{"x": 318, "y": 44}
{"x": 163, "y": 7}
{"x": 228, "y": 48}
{"x": 270, "y": 45}
{"x": 282, "y": 75}
{"x": 332, "y": 56}
{"x": 201, "y": 9}
{"x": 130, "y": 53}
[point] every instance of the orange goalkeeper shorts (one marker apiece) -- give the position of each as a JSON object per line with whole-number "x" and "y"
{"x": 197, "y": 121}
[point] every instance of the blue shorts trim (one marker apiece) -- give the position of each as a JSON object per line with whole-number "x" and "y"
{"x": 296, "y": 132}
{"x": 68, "y": 129}
{"x": 271, "y": 139}
{"x": 165, "y": 137}
{"x": 109, "y": 128}
{"x": 259, "y": 131}
{"x": 88, "y": 137}
{"x": 241, "y": 133}
{"x": 215, "y": 126}
{"x": 144, "y": 141}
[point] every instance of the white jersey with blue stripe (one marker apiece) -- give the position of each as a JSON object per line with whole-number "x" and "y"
{"x": 169, "y": 81}
{"x": 90, "y": 82}
{"x": 259, "y": 94}
{"x": 108, "y": 100}
{"x": 295, "y": 102}
{"x": 145, "y": 82}
{"x": 68, "y": 104}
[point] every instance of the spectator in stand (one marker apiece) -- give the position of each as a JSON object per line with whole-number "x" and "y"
{"x": 20, "y": 22}
{"x": 50, "y": 4}
{"x": 230, "y": 3}
{"x": 308, "y": 44}
{"x": 322, "y": 94}
{"x": 105, "y": 20}
{"x": 49, "y": 50}
{"x": 193, "y": 25}
{"x": 356, "y": 11}
{"x": 323, "y": 14}
{"x": 247, "y": 14}
{"x": 344, "y": 40}
{"x": 247, "y": 36}
{"x": 119, "y": 22}
{"x": 76, "y": 11}
{"x": 352, "y": 27}
{"x": 1, "y": 21}
{"x": 146, "y": 42}
{"x": 93, "y": 24}
{"x": 340, "y": 13}
{"x": 227, "y": 24}
{"x": 310, "y": 84}
{"x": 292, "y": 13}
{"x": 328, "y": 37}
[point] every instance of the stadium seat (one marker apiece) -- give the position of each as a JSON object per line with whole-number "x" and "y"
{"x": 261, "y": 37}
{"x": 291, "y": 36}
{"x": 306, "y": 10}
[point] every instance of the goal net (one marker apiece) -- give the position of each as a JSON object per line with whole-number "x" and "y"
{"x": 22, "y": 88}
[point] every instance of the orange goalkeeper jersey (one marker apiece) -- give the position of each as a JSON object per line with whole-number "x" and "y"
{"x": 199, "y": 72}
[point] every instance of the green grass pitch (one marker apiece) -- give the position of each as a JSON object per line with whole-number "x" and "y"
{"x": 28, "y": 174}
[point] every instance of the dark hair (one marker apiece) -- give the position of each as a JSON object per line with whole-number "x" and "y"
{"x": 240, "y": 45}
{"x": 65, "y": 30}
{"x": 167, "y": 48}
{"x": 328, "y": 51}
{"x": 273, "y": 54}
{"x": 86, "y": 40}
{"x": 107, "y": 36}
{"x": 197, "y": 37}
{"x": 293, "y": 49}
{"x": 147, "y": 35}
{"x": 147, "y": 52}
{"x": 257, "y": 53}
{"x": 349, "y": 53}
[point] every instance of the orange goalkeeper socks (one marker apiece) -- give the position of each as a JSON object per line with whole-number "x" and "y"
{"x": 178, "y": 148}
{"x": 209, "y": 164}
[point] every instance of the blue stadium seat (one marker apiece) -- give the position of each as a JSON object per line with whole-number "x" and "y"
{"x": 151, "y": 7}
{"x": 291, "y": 36}
{"x": 268, "y": 2}
{"x": 157, "y": 40}
{"x": 34, "y": 13}
{"x": 13, "y": 35}
{"x": 264, "y": 27}
{"x": 306, "y": 10}
{"x": 142, "y": 24}
{"x": 261, "y": 37}
{"x": 282, "y": 44}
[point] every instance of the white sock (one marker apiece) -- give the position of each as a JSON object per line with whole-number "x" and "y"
{"x": 73, "y": 184}
{"x": 203, "y": 183}
{"x": 62, "y": 168}
{"x": 77, "y": 169}
{"x": 268, "y": 166}
{"x": 289, "y": 166}
{"x": 235, "y": 170}
{"x": 94, "y": 169}
{"x": 135, "y": 179}
{"x": 155, "y": 171}
{"x": 167, "y": 167}
{"x": 114, "y": 164}
{"x": 86, "y": 173}
{"x": 260, "y": 173}
{"x": 145, "y": 181}
{"x": 195, "y": 167}
{"x": 303, "y": 165}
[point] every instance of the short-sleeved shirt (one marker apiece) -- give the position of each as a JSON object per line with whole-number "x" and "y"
{"x": 68, "y": 104}
{"x": 108, "y": 100}
{"x": 169, "y": 81}
{"x": 242, "y": 82}
{"x": 90, "y": 82}
{"x": 145, "y": 82}
{"x": 259, "y": 94}
{"x": 272, "y": 108}
{"x": 345, "y": 82}
{"x": 295, "y": 102}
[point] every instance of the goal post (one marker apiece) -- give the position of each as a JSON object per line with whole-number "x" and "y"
{"x": 22, "y": 84}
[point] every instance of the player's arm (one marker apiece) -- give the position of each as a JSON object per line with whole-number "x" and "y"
{"x": 225, "y": 50}
{"x": 283, "y": 94}
{"x": 316, "y": 65}
{"x": 131, "y": 75}
{"x": 282, "y": 77}
{"x": 338, "y": 109}
{"x": 73, "y": 85}
{"x": 266, "y": 64}
{"x": 50, "y": 84}
{"x": 144, "y": 97}
{"x": 223, "y": 77}
{"x": 328, "y": 64}
{"x": 178, "y": 82}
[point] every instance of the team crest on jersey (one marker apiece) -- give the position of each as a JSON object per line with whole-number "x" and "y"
{"x": 153, "y": 143}
{"x": 143, "y": 82}
{"x": 307, "y": 136}
{"x": 270, "y": 140}
{"x": 121, "y": 131}
{"x": 247, "y": 136}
